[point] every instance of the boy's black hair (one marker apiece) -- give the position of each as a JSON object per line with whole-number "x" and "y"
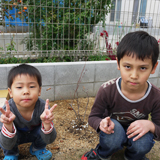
{"x": 139, "y": 44}
{"x": 24, "y": 69}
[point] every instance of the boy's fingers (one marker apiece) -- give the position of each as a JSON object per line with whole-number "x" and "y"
{"x": 112, "y": 131}
{"x": 138, "y": 136}
{"x": 108, "y": 119}
{"x": 2, "y": 110}
{"x": 7, "y": 106}
{"x": 12, "y": 117}
{"x": 51, "y": 118}
{"x": 132, "y": 125}
{"x": 108, "y": 132}
{"x": 42, "y": 116}
{"x": 47, "y": 103}
{"x": 53, "y": 107}
{"x": 4, "y": 119}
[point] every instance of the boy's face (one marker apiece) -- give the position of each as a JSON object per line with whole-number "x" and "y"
{"x": 25, "y": 91}
{"x": 135, "y": 72}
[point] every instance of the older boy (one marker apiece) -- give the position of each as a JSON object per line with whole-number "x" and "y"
{"x": 26, "y": 118}
{"x": 121, "y": 108}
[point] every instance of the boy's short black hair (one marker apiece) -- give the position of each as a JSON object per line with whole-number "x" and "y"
{"x": 139, "y": 44}
{"x": 24, "y": 69}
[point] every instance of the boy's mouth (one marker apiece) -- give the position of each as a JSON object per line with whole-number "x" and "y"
{"x": 133, "y": 83}
{"x": 26, "y": 100}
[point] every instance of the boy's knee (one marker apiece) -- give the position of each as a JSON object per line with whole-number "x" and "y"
{"x": 144, "y": 144}
{"x": 142, "y": 149}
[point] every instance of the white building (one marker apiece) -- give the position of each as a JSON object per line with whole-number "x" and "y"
{"x": 129, "y": 15}
{"x": 129, "y": 12}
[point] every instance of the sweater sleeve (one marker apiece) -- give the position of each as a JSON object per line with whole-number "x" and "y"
{"x": 98, "y": 109}
{"x": 155, "y": 114}
{"x": 50, "y": 136}
{"x": 7, "y": 139}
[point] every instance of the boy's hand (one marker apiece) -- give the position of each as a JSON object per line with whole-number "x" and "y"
{"x": 7, "y": 117}
{"x": 47, "y": 116}
{"x": 140, "y": 128}
{"x": 106, "y": 125}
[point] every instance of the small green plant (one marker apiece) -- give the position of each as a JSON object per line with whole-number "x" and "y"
{"x": 4, "y": 60}
{"x": 1, "y": 48}
{"x": 11, "y": 46}
{"x": 98, "y": 58}
{"x": 1, "y": 53}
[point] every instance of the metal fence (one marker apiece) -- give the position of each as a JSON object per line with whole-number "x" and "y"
{"x": 74, "y": 28}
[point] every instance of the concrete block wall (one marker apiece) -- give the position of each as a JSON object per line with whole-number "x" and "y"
{"x": 5, "y": 39}
{"x": 59, "y": 80}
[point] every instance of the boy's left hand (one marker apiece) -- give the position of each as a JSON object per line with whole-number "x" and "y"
{"x": 47, "y": 116}
{"x": 140, "y": 128}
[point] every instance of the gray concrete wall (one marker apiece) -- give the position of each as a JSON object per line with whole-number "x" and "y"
{"x": 5, "y": 40}
{"x": 62, "y": 78}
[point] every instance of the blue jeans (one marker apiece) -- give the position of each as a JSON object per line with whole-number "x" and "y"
{"x": 135, "y": 150}
{"x": 26, "y": 137}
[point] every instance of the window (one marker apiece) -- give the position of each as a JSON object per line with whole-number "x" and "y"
{"x": 0, "y": 12}
{"x": 112, "y": 11}
{"x": 118, "y": 10}
{"x": 139, "y": 6}
{"x": 115, "y": 10}
{"x": 142, "y": 10}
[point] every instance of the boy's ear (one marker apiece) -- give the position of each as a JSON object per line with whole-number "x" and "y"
{"x": 117, "y": 64}
{"x": 10, "y": 92}
{"x": 154, "y": 68}
{"x": 39, "y": 91}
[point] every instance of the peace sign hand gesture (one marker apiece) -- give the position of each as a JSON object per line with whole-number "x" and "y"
{"x": 7, "y": 117}
{"x": 47, "y": 115}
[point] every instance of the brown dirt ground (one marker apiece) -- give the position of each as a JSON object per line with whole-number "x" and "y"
{"x": 72, "y": 143}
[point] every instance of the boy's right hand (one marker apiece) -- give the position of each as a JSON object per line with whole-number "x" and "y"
{"x": 107, "y": 126}
{"x": 7, "y": 117}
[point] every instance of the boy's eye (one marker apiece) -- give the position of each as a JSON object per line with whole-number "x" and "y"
{"x": 143, "y": 68}
{"x": 127, "y": 67}
{"x": 18, "y": 87}
{"x": 32, "y": 86}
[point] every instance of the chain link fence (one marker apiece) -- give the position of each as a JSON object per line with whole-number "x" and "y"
{"x": 72, "y": 28}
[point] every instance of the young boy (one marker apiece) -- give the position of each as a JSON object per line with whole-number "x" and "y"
{"x": 121, "y": 108}
{"x": 25, "y": 117}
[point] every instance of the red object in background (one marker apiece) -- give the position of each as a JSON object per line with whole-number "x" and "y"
{"x": 104, "y": 32}
{"x": 109, "y": 50}
{"x": 111, "y": 57}
{"x": 101, "y": 34}
{"x": 117, "y": 43}
{"x": 108, "y": 46}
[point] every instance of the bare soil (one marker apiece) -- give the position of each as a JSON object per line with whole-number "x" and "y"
{"x": 72, "y": 142}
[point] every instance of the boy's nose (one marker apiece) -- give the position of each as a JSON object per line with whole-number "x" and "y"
{"x": 134, "y": 75}
{"x": 26, "y": 91}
